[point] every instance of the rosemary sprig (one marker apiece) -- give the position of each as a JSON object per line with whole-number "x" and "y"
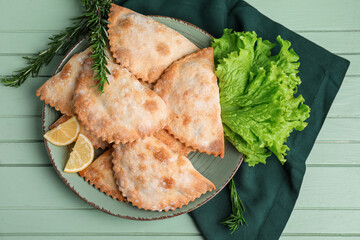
{"x": 60, "y": 43}
{"x": 98, "y": 14}
{"x": 92, "y": 21}
{"x": 236, "y": 218}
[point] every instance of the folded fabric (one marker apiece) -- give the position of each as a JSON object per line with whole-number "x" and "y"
{"x": 268, "y": 191}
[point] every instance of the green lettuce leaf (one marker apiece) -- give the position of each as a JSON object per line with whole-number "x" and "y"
{"x": 258, "y": 106}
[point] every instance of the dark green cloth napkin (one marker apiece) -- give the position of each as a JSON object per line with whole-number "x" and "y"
{"x": 268, "y": 191}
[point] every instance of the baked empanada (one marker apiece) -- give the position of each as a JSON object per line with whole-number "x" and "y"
{"x": 189, "y": 87}
{"x": 96, "y": 142}
{"x": 144, "y": 46}
{"x": 101, "y": 175}
{"x": 125, "y": 112}
{"x": 58, "y": 91}
{"x": 153, "y": 177}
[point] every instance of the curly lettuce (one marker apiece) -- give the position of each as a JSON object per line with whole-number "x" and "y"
{"x": 259, "y": 108}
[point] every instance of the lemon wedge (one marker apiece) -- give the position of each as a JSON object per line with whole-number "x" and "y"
{"x": 65, "y": 133}
{"x": 81, "y": 156}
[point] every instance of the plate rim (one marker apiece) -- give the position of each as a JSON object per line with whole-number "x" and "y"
{"x": 94, "y": 204}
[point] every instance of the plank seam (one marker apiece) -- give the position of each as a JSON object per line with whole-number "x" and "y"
{"x": 49, "y": 208}
{"x": 25, "y": 165}
{"x": 28, "y": 208}
{"x": 55, "y": 31}
{"x": 39, "y": 76}
{"x": 22, "y": 141}
{"x": 309, "y": 165}
{"x": 104, "y": 234}
{"x": 24, "y": 54}
{"x": 328, "y": 31}
{"x": 337, "y": 141}
{"x": 21, "y": 116}
{"x": 315, "y": 165}
{"x": 321, "y": 234}
{"x": 327, "y": 208}
{"x": 58, "y": 55}
{"x": 346, "y": 117}
{"x": 317, "y": 142}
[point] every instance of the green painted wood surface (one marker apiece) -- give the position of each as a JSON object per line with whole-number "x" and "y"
{"x": 315, "y": 189}
{"x": 37, "y": 205}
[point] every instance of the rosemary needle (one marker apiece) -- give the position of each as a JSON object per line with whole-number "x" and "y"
{"x": 236, "y": 218}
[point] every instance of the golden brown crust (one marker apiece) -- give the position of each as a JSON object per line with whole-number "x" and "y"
{"x": 172, "y": 142}
{"x": 96, "y": 142}
{"x": 189, "y": 87}
{"x": 160, "y": 179}
{"x": 101, "y": 176}
{"x": 142, "y": 45}
{"x": 122, "y": 113}
{"x": 58, "y": 91}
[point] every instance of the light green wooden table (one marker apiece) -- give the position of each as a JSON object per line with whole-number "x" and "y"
{"x": 36, "y": 204}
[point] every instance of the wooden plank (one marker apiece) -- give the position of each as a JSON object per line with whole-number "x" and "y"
{"x": 20, "y": 129}
{"x": 13, "y": 42}
{"x": 30, "y": 128}
{"x": 323, "y": 187}
{"x": 45, "y": 190}
{"x": 323, "y": 154}
{"x": 89, "y": 222}
{"x": 303, "y": 222}
{"x": 12, "y": 63}
{"x": 345, "y": 103}
{"x": 17, "y": 129}
{"x": 354, "y": 68}
{"x": 329, "y": 237}
{"x": 335, "y": 41}
{"x": 334, "y": 154}
{"x": 329, "y": 222}
{"x": 102, "y": 237}
{"x": 340, "y": 129}
{"x": 44, "y": 14}
{"x": 314, "y": 15}
{"x": 308, "y": 15}
{"x": 329, "y": 187}
{"x": 23, "y": 153}
{"x": 21, "y": 101}
{"x": 119, "y": 237}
